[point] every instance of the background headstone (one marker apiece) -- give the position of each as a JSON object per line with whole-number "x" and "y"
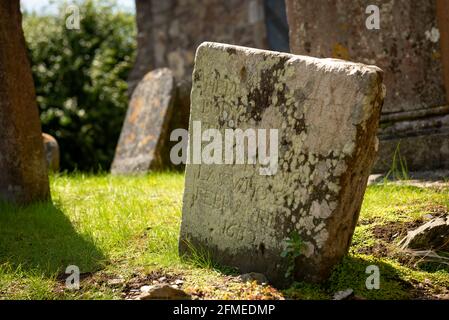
{"x": 143, "y": 141}
{"x": 169, "y": 32}
{"x": 327, "y": 114}
{"x": 52, "y": 153}
{"x": 23, "y": 172}
{"x": 411, "y": 46}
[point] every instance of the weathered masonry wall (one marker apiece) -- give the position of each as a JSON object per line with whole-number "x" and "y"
{"x": 411, "y": 46}
{"x": 169, "y": 31}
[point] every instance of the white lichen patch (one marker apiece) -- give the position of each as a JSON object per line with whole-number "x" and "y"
{"x": 308, "y": 249}
{"x": 319, "y": 108}
{"x": 433, "y": 35}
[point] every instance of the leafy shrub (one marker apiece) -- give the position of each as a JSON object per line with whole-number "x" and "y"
{"x": 80, "y": 79}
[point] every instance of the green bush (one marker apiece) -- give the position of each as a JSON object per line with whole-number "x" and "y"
{"x": 80, "y": 79}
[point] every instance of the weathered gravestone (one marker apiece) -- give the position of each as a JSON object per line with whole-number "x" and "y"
{"x": 52, "y": 152}
{"x": 23, "y": 173}
{"x": 143, "y": 141}
{"x": 326, "y": 112}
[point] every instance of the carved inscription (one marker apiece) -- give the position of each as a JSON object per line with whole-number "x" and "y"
{"x": 325, "y": 113}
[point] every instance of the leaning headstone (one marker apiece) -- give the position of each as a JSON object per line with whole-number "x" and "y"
{"x": 324, "y": 114}
{"x": 23, "y": 174}
{"x": 143, "y": 141}
{"x": 52, "y": 153}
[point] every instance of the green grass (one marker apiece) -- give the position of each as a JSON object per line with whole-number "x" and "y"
{"x": 127, "y": 227}
{"x": 95, "y": 222}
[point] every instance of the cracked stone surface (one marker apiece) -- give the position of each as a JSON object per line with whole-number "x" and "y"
{"x": 141, "y": 146}
{"x": 327, "y": 113}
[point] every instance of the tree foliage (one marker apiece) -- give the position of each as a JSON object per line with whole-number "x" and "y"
{"x": 80, "y": 79}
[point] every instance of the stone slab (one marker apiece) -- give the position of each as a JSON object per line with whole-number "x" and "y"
{"x": 142, "y": 143}
{"x": 52, "y": 152}
{"x": 326, "y": 112}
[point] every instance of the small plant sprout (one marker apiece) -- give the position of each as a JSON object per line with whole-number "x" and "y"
{"x": 292, "y": 251}
{"x": 399, "y": 168}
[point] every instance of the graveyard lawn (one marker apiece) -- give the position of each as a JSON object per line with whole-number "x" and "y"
{"x": 122, "y": 232}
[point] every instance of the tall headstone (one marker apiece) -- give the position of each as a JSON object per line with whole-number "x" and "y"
{"x": 52, "y": 152}
{"x": 23, "y": 172}
{"x": 323, "y": 115}
{"x": 169, "y": 32}
{"x": 144, "y": 138}
{"x": 410, "y": 44}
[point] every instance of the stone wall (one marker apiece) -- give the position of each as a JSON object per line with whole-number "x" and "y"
{"x": 169, "y": 32}
{"x": 411, "y": 46}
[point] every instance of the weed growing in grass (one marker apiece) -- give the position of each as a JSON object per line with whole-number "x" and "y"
{"x": 398, "y": 169}
{"x": 198, "y": 256}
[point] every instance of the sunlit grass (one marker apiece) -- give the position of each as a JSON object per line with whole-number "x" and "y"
{"x": 113, "y": 226}
{"x": 393, "y": 202}
{"x": 95, "y": 222}
{"x": 118, "y": 211}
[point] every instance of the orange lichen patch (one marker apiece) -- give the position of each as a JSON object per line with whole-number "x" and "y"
{"x": 136, "y": 109}
{"x": 148, "y": 77}
{"x": 344, "y": 26}
{"x": 340, "y": 52}
{"x": 146, "y": 139}
{"x": 436, "y": 55}
{"x": 130, "y": 138}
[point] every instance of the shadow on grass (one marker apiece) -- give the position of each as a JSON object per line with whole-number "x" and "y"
{"x": 40, "y": 238}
